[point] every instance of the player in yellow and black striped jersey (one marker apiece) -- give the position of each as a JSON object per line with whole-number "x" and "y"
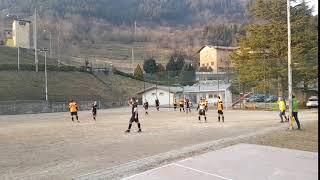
{"x": 202, "y": 110}
{"x": 181, "y": 104}
{"x": 206, "y": 104}
{"x": 175, "y": 104}
{"x": 73, "y": 108}
{"x": 220, "y": 109}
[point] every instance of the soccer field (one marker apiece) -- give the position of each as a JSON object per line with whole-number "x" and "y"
{"x": 50, "y": 146}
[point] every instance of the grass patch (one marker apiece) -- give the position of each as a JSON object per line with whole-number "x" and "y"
{"x": 306, "y": 140}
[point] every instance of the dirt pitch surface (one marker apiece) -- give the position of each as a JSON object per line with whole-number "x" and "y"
{"x": 50, "y": 146}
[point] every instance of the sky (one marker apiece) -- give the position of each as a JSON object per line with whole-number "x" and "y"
{"x": 315, "y": 4}
{"x": 311, "y": 3}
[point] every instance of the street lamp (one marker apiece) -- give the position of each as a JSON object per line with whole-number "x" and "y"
{"x": 50, "y": 39}
{"x": 45, "y": 50}
{"x": 15, "y": 17}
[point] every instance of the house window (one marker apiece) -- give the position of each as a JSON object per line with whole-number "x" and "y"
{"x": 210, "y": 96}
{"x": 161, "y": 94}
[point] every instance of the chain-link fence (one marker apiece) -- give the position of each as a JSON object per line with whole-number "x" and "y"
{"x": 30, "y": 107}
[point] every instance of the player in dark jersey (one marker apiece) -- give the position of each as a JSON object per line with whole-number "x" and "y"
{"x": 146, "y": 106}
{"x": 187, "y": 104}
{"x": 157, "y": 104}
{"x": 134, "y": 115}
{"x": 94, "y": 110}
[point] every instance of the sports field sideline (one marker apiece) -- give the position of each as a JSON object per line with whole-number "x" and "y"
{"x": 50, "y": 146}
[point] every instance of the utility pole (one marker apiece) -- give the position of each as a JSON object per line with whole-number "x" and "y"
{"x": 218, "y": 76}
{"x": 50, "y": 54}
{"x": 50, "y": 40}
{"x": 45, "y": 50}
{"x": 289, "y": 63}
{"x": 132, "y": 53}
{"x": 35, "y": 41}
{"x": 132, "y": 59}
{"x": 18, "y": 43}
{"x": 58, "y": 51}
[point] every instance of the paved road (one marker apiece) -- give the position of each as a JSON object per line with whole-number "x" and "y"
{"x": 51, "y": 146}
{"x": 241, "y": 161}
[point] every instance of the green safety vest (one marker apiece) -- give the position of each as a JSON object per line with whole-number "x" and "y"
{"x": 295, "y": 105}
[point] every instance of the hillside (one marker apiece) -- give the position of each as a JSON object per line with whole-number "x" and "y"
{"x": 119, "y": 12}
{"x": 62, "y": 86}
{"x": 103, "y": 30}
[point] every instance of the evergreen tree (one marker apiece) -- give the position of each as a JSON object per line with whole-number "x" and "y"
{"x": 175, "y": 64}
{"x": 263, "y": 52}
{"x": 138, "y": 73}
{"x": 187, "y": 75}
{"x": 150, "y": 66}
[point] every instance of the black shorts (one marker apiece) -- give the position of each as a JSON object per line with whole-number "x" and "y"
{"x": 283, "y": 113}
{"x": 94, "y": 112}
{"x": 202, "y": 112}
{"x": 134, "y": 119}
{"x": 220, "y": 112}
{"x": 181, "y": 105}
{"x": 74, "y": 113}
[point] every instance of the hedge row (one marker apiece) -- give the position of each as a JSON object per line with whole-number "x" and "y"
{"x": 164, "y": 83}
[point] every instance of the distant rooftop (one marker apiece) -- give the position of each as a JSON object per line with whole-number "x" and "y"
{"x": 218, "y": 47}
{"x": 191, "y": 89}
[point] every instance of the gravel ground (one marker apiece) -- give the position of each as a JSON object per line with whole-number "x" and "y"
{"x": 50, "y": 146}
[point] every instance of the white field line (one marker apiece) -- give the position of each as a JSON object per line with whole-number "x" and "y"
{"x": 139, "y": 174}
{"x": 215, "y": 175}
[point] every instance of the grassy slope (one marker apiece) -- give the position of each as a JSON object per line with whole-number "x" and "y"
{"x": 119, "y": 54}
{"x": 65, "y": 85}
{"x": 9, "y": 56}
{"x": 122, "y": 85}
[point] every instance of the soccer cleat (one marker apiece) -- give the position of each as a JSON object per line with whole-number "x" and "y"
{"x": 127, "y": 131}
{"x": 139, "y": 131}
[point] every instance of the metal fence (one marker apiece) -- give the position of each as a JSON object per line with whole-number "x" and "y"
{"x": 30, "y": 107}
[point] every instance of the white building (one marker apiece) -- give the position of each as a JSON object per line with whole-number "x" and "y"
{"x": 21, "y": 33}
{"x": 193, "y": 93}
{"x": 163, "y": 93}
{"x": 210, "y": 92}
